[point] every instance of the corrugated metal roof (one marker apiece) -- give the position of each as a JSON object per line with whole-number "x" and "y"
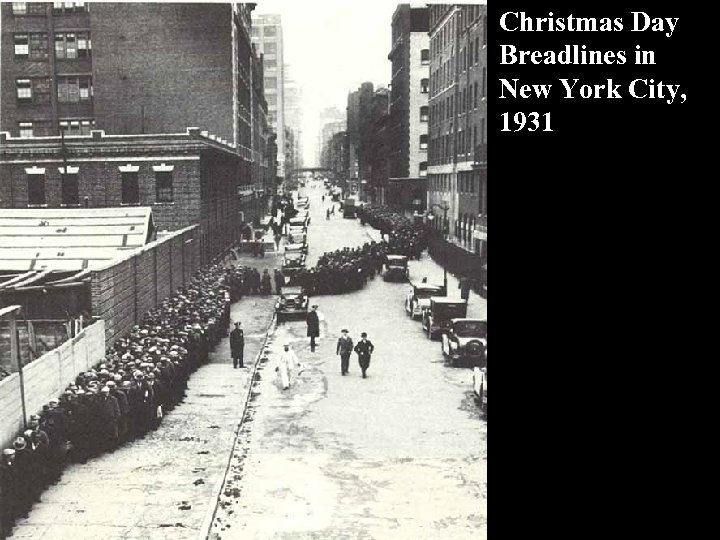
{"x": 70, "y": 239}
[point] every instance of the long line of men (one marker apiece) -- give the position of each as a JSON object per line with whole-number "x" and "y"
{"x": 405, "y": 237}
{"x": 124, "y": 397}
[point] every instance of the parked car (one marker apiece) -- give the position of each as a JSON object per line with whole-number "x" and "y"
{"x": 349, "y": 208}
{"x": 293, "y": 262}
{"x": 299, "y": 222}
{"x": 296, "y": 248}
{"x": 396, "y": 268}
{"x": 418, "y": 298}
{"x": 297, "y": 236}
{"x": 293, "y": 302}
{"x": 465, "y": 342}
{"x": 480, "y": 388}
{"x": 438, "y": 317}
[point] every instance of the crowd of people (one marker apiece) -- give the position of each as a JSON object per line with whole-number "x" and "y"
{"x": 405, "y": 237}
{"x": 125, "y": 396}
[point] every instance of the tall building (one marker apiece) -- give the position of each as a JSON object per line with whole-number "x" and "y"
{"x": 134, "y": 69}
{"x": 360, "y": 130}
{"x": 293, "y": 121}
{"x": 329, "y": 115}
{"x": 408, "y": 123}
{"x": 457, "y": 170}
{"x": 268, "y": 39}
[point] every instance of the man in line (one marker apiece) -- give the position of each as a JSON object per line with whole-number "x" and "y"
{"x": 313, "y": 327}
{"x": 237, "y": 346}
{"x": 344, "y": 349}
{"x": 364, "y": 350}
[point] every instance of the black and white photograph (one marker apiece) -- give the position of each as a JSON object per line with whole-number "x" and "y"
{"x": 243, "y": 270}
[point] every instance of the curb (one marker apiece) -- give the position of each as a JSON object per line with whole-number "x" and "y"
{"x": 205, "y": 529}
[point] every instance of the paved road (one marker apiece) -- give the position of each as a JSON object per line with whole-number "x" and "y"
{"x": 160, "y": 487}
{"x": 401, "y": 454}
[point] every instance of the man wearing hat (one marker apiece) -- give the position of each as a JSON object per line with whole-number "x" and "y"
{"x": 313, "y": 327}
{"x": 8, "y": 492}
{"x": 344, "y": 349}
{"x": 364, "y": 350}
{"x": 237, "y": 345}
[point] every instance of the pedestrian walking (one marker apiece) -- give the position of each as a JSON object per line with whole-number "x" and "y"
{"x": 344, "y": 349}
{"x": 464, "y": 286}
{"x": 364, "y": 350}
{"x": 279, "y": 280}
{"x": 288, "y": 360}
{"x": 237, "y": 346}
{"x": 266, "y": 283}
{"x": 313, "y": 327}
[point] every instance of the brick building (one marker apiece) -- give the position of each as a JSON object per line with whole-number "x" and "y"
{"x": 457, "y": 170}
{"x": 187, "y": 179}
{"x": 136, "y": 68}
{"x": 408, "y": 122}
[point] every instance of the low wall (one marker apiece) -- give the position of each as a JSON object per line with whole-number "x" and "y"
{"x": 124, "y": 291}
{"x": 47, "y": 377}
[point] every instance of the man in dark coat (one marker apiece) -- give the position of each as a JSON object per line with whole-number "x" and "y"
{"x": 110, "y": 415}
{"x": 464, "y": 286}
{"x": 313, "y": 327}
{"x": 344, "y": 349}
{"x": 237, "y": 346}
{"x": 364, "y": 350}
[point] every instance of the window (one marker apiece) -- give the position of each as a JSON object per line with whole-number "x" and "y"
{"x": 423, "y": 142}
{"x": 271, "y": 99}
{"x": 270, "y": 30}
{"x": 163, "y": 186}
{"x": 475, "y": 98}
{"x": 69, "y": 7}
{"x": 26, "y": 129}
{"x": 424, "y": 86}
{"x": 484, "y": 82}
{"x": 69, "y": 188}
{"x": 36, "y": 188}
{"x": 477, "y": 50}
{"x": 24, "y": 89}
{"x": 38, "y": 46}
{"x": 424, "y": 114}
{"x": 482, "y": 131}
{"x": 77, "y": 127}
{"x": 270, "y": 63}
{"x": 270, "y": 82}
{"x": 66, "y": 45}
{"x": 425, "y": 57}
{"x": 130, "y": 188}
{"x": 84, "y": 45}
{"x": 21, "y": 44}
{"x": 270, "y": 48}
{"x": 19, "y": 8}
{"x": 255, "y": 31}
{"x": 484, "y": 30}
{"x": 74, "y": 89}
{"x": 470, "y": 55}
{"x": 423, "y": 168}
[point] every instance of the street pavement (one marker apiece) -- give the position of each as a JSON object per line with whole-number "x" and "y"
{"x": 162, "y": 486}
{"x": 401, "y": 454}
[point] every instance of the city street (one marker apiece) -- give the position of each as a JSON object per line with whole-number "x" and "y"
{"x": 401, "y": 454}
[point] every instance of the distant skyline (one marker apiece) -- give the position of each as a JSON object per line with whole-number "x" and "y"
{"x": 332, "y": 46}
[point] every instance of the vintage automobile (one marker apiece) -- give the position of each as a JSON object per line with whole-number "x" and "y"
{"x": 396, "y": 268}
{"x": 297, "y": 235}
{"x": 465, "y": 342}
{"x": 296, "y": 248}
{"x": 480, "y": 388}
{"x": 293, "y": 262}
{"x": 302, "y": 202}
{"x": 418, "y": 298}
{"x": 293, "y": 302}
{"x": 437, "y": 318}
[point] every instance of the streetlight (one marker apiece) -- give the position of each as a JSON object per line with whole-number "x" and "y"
{"x": 445, "y": 209}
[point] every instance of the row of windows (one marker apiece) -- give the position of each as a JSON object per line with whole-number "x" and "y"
{"x": 444, "y": 76}
{"x": 38, "y": 8}
{"x": 466, "y": 183}
{"x": 68, "y": 45}
{"x": 463, "y": 143}
{"x": 69, "y": 89}
{"x": 43, "y": 128}
{"x": 467, "y": 100}
{"x": 129, "y": 188}
{"x": 446, "y": 35}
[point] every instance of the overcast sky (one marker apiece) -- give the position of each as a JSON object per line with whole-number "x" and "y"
{"x": 332, "y": 46}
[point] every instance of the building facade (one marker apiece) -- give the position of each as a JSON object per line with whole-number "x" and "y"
{"x": 457, "y": 164}
{"x": 408, "y": 124}
{"x": 360, "y": 131}
{"x": 187, "y": 179}
{"x": 123, "y": 68}
{"x": 267, "y": 37}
